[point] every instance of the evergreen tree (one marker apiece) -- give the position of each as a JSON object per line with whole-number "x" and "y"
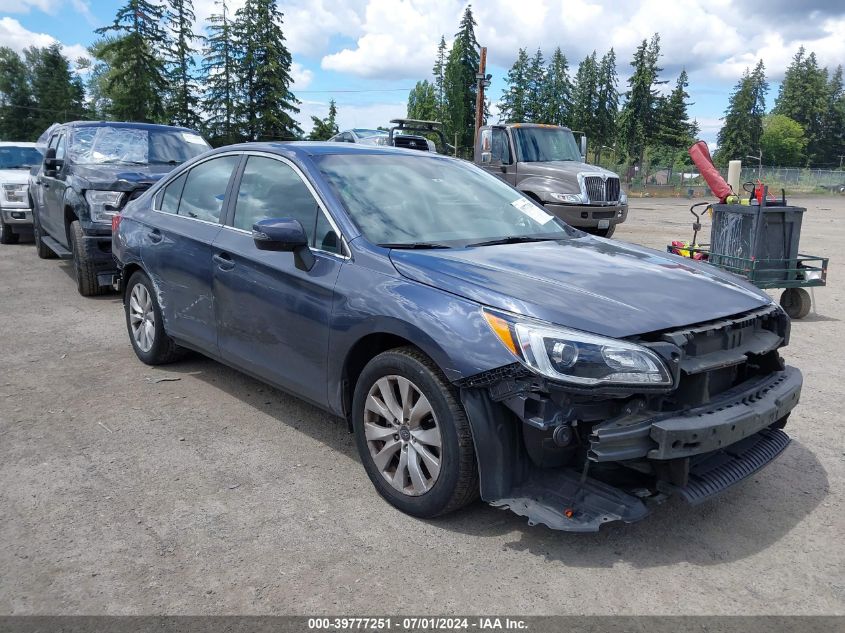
{"x": 439, "y": 72}
{"x": 740, "y": 135}
{"x": 534, "y": 105}
{"x": 459, "y": 82}
{"x": 803, "y": 97}
{"x": 57, "y": 91}
{"x": 422, "y": 101}
{"x": 675, "y": 130}
{"x": 179, "y": 56}
{"x": 324, "y": 129}
{"x": 220, "y": 96}
{"x": 513, "y": 106}
{"x": 585, "y": 97}
{"x": 135, "y": 80}
{"x": 638, "y": 121}
{"x": 267, "y": 104}
{"x": 607, "y": 104}
{"x": 557, "y": 90}
{"x": 832, "y": 143}
{"x": 16, "y": 102}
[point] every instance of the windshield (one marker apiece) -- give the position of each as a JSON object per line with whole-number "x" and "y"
{"x": 543, "y": 144}
{"x": 401, "y": 200}
{"x": 18, "y": 157}
{"x": 368, "y": 133}
{"x": 136, "y": 146}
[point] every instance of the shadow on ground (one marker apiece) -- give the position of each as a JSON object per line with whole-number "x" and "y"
{"x": 744, "y": 521}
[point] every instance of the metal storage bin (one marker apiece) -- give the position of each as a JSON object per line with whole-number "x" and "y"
{"x": 766, "y": 237}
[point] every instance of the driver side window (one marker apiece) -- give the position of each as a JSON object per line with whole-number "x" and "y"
{"x": 500, "y": 147}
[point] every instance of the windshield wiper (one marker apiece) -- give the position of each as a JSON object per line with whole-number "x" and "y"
{"x": 515, "y": 239}
{"x": 412, "y": 245}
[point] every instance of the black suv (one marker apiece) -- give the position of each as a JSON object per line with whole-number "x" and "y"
{"x": 90, "y": 170}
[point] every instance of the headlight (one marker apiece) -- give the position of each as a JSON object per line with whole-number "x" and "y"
{"x": 103, "y": 204}
{"x": 574, "y": 198}
{"x": 15, "y": 193}
{"x": 579, "y": 358}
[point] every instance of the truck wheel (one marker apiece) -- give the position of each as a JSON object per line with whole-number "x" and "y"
{"x": 83, "y": 268}
{"x": 145, "y": 324}
{"x": 413, "y": 435}
{"x": 608, "y": 232}
{"x": 44, "y": 251}
{"x": 6, "y": 235}
{"x": 796, "y": 302}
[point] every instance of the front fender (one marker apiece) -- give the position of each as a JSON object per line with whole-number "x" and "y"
{"x": 542, "y": 186}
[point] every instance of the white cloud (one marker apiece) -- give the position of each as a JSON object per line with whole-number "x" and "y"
{"x": 14, "y": 35}
{"x": 301, "y": 76}
{"x": 369, "y": 115}
{"x": 24, "y": 6}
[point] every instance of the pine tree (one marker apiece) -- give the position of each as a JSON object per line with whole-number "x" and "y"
{"x": 534, "y": 106}
{"x": 832, "y": 143}
{"x": 607, "y": 104}
{"x": 219, "y": 78}
{"x": 135, "y": 80}
{"x": 267, "y": 104}
{"x": 179, "y": 56}
{"x": 57, "y": 91}
{"x": 585, "y": 96}
{"x": 803, "y": 97}
{"x": 514, "y": 101}
{"x": 422, "y": 101}
{"x": 675, "y": 129}
{"x": 740, "y": 135}
{"x": 557, "y": 90}
{"x": 459, "y": 82}
{"x": 16, "y": 102}
{"x": 324, "y": 129}
{"x": 638, "y": 121}
{"x": 439, "y": 72}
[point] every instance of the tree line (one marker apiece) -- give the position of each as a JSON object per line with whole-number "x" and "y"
{"x": 806, "y": 126}
{"x": 144, "y": 67}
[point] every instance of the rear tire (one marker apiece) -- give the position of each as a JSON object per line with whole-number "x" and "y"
{"x": 83, "y": 269}
{"x": 140, "y": 304}
{"x": 44, "y": 251}
{"x": 435, "y": 479}
{"x": 6, "y": 234}
{"x": 796, "y": 302}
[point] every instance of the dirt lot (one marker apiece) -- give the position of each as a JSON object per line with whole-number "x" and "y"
{"x": 213, "y": 493}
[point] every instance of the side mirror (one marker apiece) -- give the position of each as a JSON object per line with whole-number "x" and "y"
{"x": 284, "y": 235}
{"x": 584, "y": 147}
{"x": 51, "y": 163}
{"x": 486, "y": 157}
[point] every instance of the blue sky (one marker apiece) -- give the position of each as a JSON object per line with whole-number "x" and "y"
{"x": 366, "y": 54}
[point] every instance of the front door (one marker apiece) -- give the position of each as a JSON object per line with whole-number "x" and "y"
{"x": 176, "y": 249}
{"x": 53, "y": 185}
{"x": 272, "y": 315}
{"x": 499, "y": 160}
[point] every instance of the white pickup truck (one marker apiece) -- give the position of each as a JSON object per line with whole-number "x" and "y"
{"x": 15, "y": 202}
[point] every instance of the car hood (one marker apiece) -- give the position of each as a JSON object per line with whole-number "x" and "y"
{"x": 14, "y": 176}
{"x": 586, "y": 283}
{"x": 120, "y": 177}
{"x": 561, "y": 168}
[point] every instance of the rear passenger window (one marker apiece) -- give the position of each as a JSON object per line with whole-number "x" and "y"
{"x": 272, "y": 189}
{"x": 205, "y": 188}
{"x": 171, "y": 195}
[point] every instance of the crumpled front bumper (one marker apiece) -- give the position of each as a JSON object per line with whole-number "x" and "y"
{"x": 735, "y": 415}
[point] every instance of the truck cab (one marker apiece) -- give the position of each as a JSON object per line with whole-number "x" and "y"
{"x": 545, "y": 163}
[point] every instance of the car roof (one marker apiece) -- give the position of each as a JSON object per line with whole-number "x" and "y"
{"x": 16, "y": 144}
{"x": 126, "y": 124}
{"x": 321, "y": 148}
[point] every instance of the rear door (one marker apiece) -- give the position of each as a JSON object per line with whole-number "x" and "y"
{"x": 273, "y": 316}
{"x": 176, "y": 248}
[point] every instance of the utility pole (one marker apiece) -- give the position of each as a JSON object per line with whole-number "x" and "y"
{"x": 483, "y": 81}
{"x": 840, "y": 162}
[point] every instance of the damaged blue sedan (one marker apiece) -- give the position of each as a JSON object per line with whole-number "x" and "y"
{"x": 476, "y": 344}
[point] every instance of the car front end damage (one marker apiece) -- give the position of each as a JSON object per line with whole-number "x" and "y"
{"x": 576, "y": 456}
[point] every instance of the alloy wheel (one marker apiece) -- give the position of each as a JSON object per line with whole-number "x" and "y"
{"x": 403, "y": 435}
{"x": 142, "y": 317}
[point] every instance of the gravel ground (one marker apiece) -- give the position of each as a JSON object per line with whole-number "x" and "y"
{"x": 210, "y": 493}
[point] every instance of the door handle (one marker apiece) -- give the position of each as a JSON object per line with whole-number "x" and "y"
{"x": 44, "y": 184}
{"x": 223, "y": 261}
{"x": 155, "y": 236}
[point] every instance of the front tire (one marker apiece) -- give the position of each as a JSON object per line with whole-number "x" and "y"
{"x": 413, "y": 435}
{"x": 6, "y": 234}
{"x": 83, "y": 268}
{"x": 145, "y": 325}
{"x": 608, "y": 232}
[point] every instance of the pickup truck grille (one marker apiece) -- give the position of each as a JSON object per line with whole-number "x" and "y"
{"x": 601, "y": 190}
